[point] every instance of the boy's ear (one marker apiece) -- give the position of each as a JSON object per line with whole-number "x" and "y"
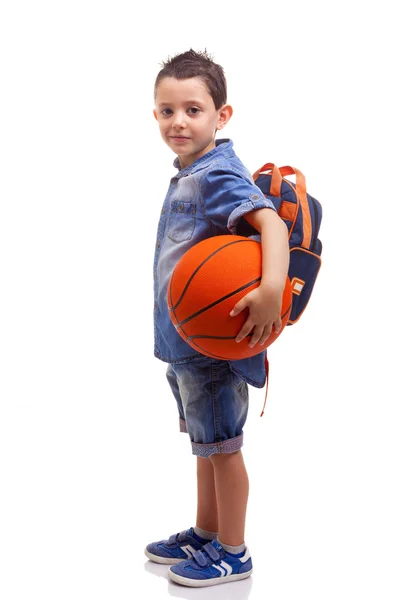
{"x": 225, "y": 114}
{"x": 155, "y": 114}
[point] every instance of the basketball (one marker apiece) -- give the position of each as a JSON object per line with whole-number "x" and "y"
{"x": 207, "y": 282}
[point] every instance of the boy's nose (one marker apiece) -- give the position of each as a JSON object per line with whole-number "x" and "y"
{"x": 179, "y": 121}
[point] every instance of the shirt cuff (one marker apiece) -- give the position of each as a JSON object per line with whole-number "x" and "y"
{"x": 246, "y": 207}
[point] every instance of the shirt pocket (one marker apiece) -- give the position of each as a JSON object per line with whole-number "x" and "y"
{"x": 181, "y": 221}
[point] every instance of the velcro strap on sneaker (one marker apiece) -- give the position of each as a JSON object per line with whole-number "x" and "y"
{"x": 182, "y": 536}
{"x": 176, "y": 537}
{"x": 200, "y": 558}
{"x": 172, "y": 539}
{"x": 211, "y": 551}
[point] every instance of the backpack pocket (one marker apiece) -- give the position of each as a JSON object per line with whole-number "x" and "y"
{"x": 303, "y": 271}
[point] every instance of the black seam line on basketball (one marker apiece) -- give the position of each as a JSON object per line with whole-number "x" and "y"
{"x": 199, "y": 312}
{"x": 216, "y": 337}
{"x": 211, "y": 337}
{"x": 216, "y": 355}
{"x": 219, "y": 337}
{"x": 211, "y": 353}
{"x": 199, "y": 267}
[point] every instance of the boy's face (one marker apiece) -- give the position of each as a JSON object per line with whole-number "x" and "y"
{"x": 188, "y": 118}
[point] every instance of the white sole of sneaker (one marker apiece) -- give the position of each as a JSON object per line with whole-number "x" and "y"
{"x": 161, "y": 560}
{"x": 206, "y": 582}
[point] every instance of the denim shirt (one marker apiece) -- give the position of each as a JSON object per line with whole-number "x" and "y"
{"x": 207, "y": 198}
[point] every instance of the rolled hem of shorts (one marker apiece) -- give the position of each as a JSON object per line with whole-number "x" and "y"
{"x": 225, "y": 447}
{"x": 182, "y": 426}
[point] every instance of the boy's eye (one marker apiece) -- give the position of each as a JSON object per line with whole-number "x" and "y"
{"x": 167, "y": 112}
{"x": 193, "y": 110}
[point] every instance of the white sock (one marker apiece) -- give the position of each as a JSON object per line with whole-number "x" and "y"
{"x": 232, "y": 549}
{"x": 206, "y": 535}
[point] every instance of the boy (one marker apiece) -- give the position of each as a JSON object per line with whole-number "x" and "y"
{"x": 212, "y": 194}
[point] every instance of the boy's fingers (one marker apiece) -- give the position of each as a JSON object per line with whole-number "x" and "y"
{"x": 244, "y": 332}
{"x": 238, "y": 308}
{"x": 268, "y": 330}
{"x": 258, "y": 331}
{"x": 265, "y": 336}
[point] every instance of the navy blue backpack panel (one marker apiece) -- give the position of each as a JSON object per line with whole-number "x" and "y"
{"x": 302, "y": 214}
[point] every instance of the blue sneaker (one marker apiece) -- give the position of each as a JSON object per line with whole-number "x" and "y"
{"x": 177, "y": 548}
{"x": 212, "y": 565}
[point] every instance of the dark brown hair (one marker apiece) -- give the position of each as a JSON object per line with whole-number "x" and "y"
{"x": 196, "y": 64}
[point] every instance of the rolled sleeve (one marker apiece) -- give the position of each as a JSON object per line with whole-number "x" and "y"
{"x": 255, "y": 202}
{"x": 227, "y": 196}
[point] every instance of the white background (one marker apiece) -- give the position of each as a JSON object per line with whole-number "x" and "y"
{"x": 92, "y": 466}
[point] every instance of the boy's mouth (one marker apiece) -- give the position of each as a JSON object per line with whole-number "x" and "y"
{"x": 179, "y": 138}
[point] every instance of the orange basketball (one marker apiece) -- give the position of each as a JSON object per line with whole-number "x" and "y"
{"x": 206, "y": 284}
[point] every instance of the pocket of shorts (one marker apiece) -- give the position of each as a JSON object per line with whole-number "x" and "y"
{"x": 181, "y": 221}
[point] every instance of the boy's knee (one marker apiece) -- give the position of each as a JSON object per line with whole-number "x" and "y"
{"x": 222, "y": 457}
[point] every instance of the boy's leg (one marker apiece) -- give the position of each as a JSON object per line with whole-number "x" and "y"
{"x": 215, "y": 403}
{"x": 227, "y": 558}
{"x": 232, "y": 491}
{"x": 207, "y": 514}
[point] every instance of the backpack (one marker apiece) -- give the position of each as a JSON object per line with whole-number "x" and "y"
{"x": 302, "y": 214}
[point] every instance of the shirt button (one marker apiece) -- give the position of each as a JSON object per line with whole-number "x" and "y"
{"x": 180, "y": 207}
{"x": 164, "y": 210}
{"x": 158, "y": 244}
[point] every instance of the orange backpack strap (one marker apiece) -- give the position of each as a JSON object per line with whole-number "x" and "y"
{"x": 302, "y": 194}
{"x": 276, "y": 177}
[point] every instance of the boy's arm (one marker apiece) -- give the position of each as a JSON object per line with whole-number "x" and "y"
{"x": 265, "y": 302}
{"x": 275, "y": 247}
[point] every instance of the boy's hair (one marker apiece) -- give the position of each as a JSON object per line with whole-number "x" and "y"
{"x": 196, "y": 64}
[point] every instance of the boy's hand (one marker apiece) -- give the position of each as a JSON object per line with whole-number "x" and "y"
{"x": 264, "y": 304}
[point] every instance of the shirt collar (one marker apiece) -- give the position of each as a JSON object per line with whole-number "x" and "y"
{"x": 221, "y": 146}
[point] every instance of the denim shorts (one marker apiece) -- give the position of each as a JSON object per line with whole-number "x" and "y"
{"x": 212, "y": 403}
